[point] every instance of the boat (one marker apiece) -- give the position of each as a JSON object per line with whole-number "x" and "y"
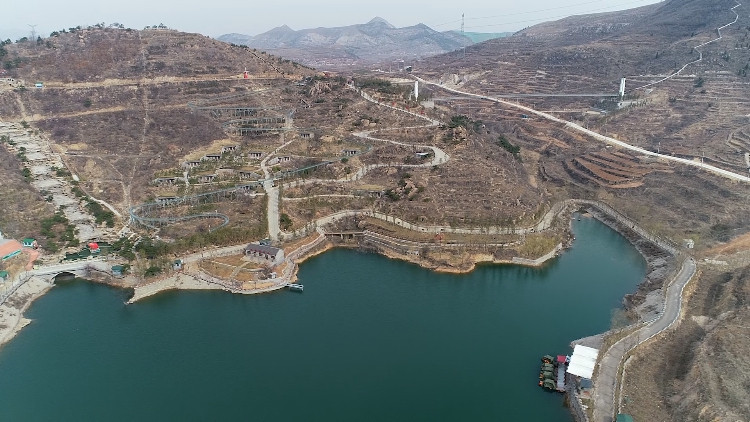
{"x": 552, "y": 372}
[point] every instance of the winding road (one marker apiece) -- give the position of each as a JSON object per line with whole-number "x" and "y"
{"x": 578, "y": 128}
{"x": 606, "y": 381}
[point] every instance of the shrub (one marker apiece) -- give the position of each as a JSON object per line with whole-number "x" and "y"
{"x": 285, "y": 221}
{"x": 513, "y": 149}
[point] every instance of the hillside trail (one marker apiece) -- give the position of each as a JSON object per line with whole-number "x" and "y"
{"x": 439, "y": 156}
{"x": 696, "y": 48}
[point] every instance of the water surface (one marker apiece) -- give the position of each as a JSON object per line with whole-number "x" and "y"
{"x": 370, "y": 339}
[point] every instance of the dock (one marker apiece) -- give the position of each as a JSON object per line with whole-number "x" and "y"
{"x": 561, "y": 377}
{"x": 295, "y": 287}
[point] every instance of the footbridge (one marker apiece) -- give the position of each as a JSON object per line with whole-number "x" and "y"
{"x": 74, "y": 269}
{"x": 511, "y": 96}
{"x": 52, "y": 273}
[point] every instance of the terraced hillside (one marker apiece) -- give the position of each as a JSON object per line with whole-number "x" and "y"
{"x": 175, "y": 115}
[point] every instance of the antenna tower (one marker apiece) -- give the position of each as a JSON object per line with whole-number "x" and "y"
{"x": 33, "y": 32}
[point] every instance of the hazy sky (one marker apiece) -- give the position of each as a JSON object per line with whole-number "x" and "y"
{"x": 254, "y": 16}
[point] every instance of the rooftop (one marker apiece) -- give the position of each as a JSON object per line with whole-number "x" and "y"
{"x": 270, "y": 250}
{"x": 583, "y": 361}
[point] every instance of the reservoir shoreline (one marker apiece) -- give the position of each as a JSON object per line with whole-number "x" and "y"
{"x": 653, "y": 250}
{"x": 353, "y": 322}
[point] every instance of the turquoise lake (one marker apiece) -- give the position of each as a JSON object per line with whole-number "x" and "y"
{"x": 370, "y": 339}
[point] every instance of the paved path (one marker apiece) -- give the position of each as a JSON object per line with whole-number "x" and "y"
{"x": 606, "y": 382}
{"x": 272, "y": 193}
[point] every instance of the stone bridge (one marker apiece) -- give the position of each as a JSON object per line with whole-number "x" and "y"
{"x": 80, "y": 269}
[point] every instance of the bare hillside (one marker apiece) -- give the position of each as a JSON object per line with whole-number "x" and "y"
{"x": 686, "y": 96}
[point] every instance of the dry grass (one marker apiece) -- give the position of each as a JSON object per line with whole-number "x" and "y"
{"x": 216, "y": 269}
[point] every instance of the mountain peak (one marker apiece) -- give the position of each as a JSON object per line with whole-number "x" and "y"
{"x": 380, "y": 21}
{"x": 283, "y": 28}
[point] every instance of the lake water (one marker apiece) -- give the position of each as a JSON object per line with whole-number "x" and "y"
{"x": 370, "y": 339}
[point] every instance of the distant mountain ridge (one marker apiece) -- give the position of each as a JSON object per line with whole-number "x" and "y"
{"x": 371, "y": 42}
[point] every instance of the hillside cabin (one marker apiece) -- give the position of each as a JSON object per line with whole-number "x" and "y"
{"x": 162, "y": 181}
{"x": 191, "y": 164}
{"x": 30, "y": 243}
{"x": 247, "y": 189}
{"x": 166, "y": 199}
{"x": 255, "y": 155}
{"x": 370, "y": 191}
{"x": 9, "y": 248}
{"x": 211, "y": 157}
{"x": 307, "y": 135}
{"x": 350, "y": 152}
{"x": 177, "y": 265}
{"x": 229, "y": 148}
{"x": 264, "y": 253}
{"x": 278, "y": 160}
{"x": 248, "y": 175}
{"x": 225, "y": 172}
{"x": 206, "y": 178}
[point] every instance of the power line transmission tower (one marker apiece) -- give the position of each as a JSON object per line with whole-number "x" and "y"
{"x": 463, "y": 21}
{"x": 33, "y": 32}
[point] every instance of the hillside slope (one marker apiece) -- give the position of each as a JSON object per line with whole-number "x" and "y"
{"x": 687, "y": 96}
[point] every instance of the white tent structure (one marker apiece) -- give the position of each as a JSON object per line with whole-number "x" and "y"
{"x": 583, "y": 361}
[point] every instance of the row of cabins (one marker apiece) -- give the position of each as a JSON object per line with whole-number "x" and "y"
{"x": 211, "y": 157}
{"x": 254, "y": 155}
{"x": 209, "y": 178}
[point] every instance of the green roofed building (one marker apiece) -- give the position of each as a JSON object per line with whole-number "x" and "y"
{"x": 30, "y": 243}
{"x": 4, "y": 275}
{"x": 624, "y": 418}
